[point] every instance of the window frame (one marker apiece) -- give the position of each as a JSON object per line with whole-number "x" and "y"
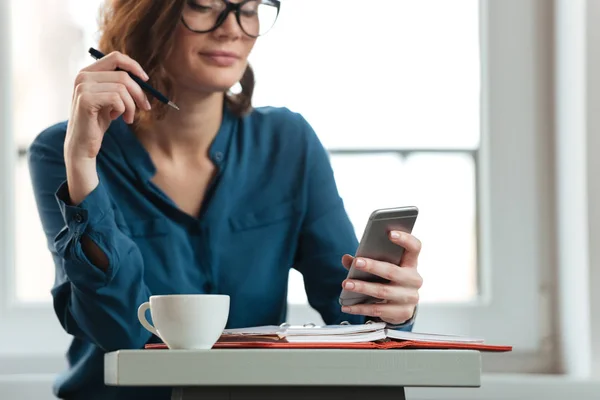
{"x": 510, "y": 30}
{"x": 577, "y": 59}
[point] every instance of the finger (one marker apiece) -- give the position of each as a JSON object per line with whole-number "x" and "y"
{"x": 128, "y": 99}
{"x": 115, "y": 60}
{"x": 412, "y": 247}
{"x": 408, "y": 277}
{"x": 383, "y": 291}
{"x": 116, "y": 77}
{"x": 392, "y": 313}
{"x": 382, "y": 269}
{"x": 347, "y": 260}
{"x": 111, "y": 101}
{"x": 120, "y": 89}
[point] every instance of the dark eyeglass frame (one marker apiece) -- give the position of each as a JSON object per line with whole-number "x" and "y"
{"x": 235, "y": 8}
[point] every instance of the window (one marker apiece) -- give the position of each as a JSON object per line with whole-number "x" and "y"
{"x": 418, "y": 102}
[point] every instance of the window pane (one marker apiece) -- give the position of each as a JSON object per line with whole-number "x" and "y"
{"x": 392, "y": 74}
{"x": 296, "y": 292}
{"x": 442, "y": 186}
{"x": 35, "y": 271}
{"x": 56, "y": 38}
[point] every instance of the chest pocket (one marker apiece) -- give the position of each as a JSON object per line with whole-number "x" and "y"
{"x": 265, "y": 215}
{"x": 267, "y": 237}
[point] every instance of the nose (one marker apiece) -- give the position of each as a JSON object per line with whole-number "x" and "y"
{"x": 229, "y": 28}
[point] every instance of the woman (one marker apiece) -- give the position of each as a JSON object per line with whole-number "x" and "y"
{"x": 139, "y": 199}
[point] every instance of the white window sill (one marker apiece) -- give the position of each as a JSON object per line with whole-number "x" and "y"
{"x": 515, "y": 387}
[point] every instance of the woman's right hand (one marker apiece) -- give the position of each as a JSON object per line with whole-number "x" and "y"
{"x": 101, "y": 95}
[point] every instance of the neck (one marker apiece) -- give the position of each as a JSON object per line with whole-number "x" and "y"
{"x": 188, "y": 131}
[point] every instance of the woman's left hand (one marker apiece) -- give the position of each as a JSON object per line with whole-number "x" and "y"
{"x": 401, "y": 295}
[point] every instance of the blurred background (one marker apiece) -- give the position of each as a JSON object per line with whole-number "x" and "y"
{"x": 479, "y": 112}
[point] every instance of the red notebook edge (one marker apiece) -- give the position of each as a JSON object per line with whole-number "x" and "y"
{"x": 386, "y": 345}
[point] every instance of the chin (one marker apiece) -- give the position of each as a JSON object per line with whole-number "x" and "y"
{"x": 220, "y": 86}
{"x": 218, "y": 82}
{"x": 210, "y": 80}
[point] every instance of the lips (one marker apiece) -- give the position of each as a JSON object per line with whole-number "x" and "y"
{"x": 217, "y": 53}
{"x": 220, "y": 58}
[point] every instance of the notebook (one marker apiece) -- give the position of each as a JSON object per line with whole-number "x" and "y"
{"x": 310, "y": 333}
{"x": 342, "y": 329}
{"x": 363, "y": 333}
{"x": 365, "y": 336}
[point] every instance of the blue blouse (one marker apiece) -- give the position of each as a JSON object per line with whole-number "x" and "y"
{"x": 273, "y": 206}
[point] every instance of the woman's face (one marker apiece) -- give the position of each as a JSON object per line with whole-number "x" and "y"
{"x": 208, "y": 62}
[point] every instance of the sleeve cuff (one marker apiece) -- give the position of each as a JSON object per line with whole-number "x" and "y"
{"x": 92, "y": 209}
{"x": 406, "y": 324}
{"x": 93, "y": 214}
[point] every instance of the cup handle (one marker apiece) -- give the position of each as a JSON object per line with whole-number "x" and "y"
{"x": 142, "y": 317}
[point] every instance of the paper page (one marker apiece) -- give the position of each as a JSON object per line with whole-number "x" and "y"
{"x": 338, "y": 338}
{"x": 255, "y": 330}
{"x": 429, "y": 337}
{"x": 333, "y": 329}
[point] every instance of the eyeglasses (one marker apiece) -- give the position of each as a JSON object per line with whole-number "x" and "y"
{"x": 255, "y": 17}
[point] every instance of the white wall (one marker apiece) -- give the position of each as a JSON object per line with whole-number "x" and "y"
{"x": 26, "y": 387}
{"x": 28, "y": 377}
{"x": 572, "y": 193}
{"x": 593, "y": 175}
{"x": 577, "y": 100}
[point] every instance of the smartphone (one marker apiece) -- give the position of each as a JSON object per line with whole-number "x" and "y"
{"x": 376, "y": 244}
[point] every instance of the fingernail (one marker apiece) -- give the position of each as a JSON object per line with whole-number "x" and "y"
{"x": 148, "y": 106}
{"x": 349, "y": 285}
{"x": 395, "y": 235}
{"x": 346, "y": 309}
{"x": 360, "y": 263}
{"x": 146, "y": 77}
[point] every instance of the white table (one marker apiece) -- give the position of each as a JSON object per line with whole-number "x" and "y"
{"x": 246, "y": 374}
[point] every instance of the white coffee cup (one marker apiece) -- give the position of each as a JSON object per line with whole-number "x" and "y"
{"x": 186, "y": 321}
